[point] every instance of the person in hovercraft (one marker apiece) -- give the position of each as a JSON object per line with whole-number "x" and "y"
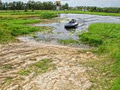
{"x": 72, "y": 21}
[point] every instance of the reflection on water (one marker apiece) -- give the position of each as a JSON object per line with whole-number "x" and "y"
{"x": 60, "y": 32}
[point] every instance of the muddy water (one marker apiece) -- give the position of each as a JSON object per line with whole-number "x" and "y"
{"x": 60, "y": 32}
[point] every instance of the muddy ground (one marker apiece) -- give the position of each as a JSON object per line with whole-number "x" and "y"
{"x": 68, "y": 73}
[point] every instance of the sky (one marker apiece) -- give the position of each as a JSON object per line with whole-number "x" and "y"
{"x": 99, "y": 3}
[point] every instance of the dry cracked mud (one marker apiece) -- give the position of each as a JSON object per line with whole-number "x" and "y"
{"x": 68, "y": 74}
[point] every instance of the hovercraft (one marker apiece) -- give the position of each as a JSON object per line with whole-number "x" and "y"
{"x": 71, "y": 24}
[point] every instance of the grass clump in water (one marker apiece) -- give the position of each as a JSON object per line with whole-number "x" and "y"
{"x": 106, "y": 37}
{"x": 68, "y": 41}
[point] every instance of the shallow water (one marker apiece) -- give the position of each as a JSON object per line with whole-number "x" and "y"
{"x": 60, "y": 32}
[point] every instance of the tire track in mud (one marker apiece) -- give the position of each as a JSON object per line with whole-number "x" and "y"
{"x": 68, "y": 75}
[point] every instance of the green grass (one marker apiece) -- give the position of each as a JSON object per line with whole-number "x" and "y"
{"x": 49, "y": 14}
{"x": 12, "y": 27}
{"x": 44, "y": 65}
{"x": 42, "y": 14}
{"x": 91, "y": 13}
{"x": 106, "y": 37}
{"x": 68, "y": 41}
{"x": 24, "y": 72}
{"x": 13, "y": 24}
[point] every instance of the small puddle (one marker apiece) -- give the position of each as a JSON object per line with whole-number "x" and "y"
{"x": 60, "y": 33}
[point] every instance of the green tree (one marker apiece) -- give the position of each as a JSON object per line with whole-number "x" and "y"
{"x": 0, "y": 4}
{"x": 31, "y": 5}
{"x": 66, "y": 6}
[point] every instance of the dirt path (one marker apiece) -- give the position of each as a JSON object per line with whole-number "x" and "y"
{"x": 69, "y": 74}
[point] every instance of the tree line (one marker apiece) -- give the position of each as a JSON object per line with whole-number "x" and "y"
{"x": 30, "y": 5}
{"x": 99, "y": 9}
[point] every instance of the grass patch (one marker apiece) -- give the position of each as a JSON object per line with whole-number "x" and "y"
{"x": 48, "y": 15}
{"x": 24, "y": 72}
{"x": 13, "y": 24}
{"x": 42, "y": 66}
{"x": 6, "y": 67}
{"x": 68, "y": 41}
{"x": 106, "y": 37}
{"x": 8, "y": 80}
{"x": 91, "y": 13}
{"x": 100, "y": 75}
{"x": 12, "y": 27}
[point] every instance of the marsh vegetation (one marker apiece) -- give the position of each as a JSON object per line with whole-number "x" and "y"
{"x": 106, "y": 37}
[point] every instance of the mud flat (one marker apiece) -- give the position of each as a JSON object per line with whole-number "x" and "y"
{"x": 67, "y": 73}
